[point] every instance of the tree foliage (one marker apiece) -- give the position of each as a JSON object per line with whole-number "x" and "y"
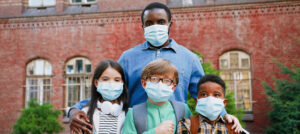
{"x": 230, "y": 107}
{"x": 285, "y": 99}
{"x": 38, "y": 119}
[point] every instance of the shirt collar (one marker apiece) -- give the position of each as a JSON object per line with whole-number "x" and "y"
{"x": 149, "y": 104}
{"x": 172, "y": 45}
{"x": 203, "y": 118}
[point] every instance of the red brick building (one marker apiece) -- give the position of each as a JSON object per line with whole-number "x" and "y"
{"x": 48, "y": 50}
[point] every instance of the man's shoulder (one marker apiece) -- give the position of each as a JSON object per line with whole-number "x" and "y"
{"x": 136, "y": 48}
{"x": 183, "y": 50}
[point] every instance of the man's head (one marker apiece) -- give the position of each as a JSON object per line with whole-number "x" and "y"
{"x": 155, "y": 8}
{"x": 211, "y": 85}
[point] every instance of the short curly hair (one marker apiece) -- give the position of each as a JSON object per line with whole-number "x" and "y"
{"x": 156, "y": 5}
{"x": 211, "y": 78}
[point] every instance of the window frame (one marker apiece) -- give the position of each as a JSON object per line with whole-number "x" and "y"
{"x": 84, "y": 86}
{"x": 237, "y": 71}
{"x": 40, "y": 85}
{"x": 42, "y": 4}
{"x": 83, "y": 2}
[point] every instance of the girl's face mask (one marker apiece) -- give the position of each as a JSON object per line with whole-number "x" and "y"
{"x": 110, "y": 90}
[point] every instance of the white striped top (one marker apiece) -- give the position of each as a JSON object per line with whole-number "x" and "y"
{"x": 106, "y": 123}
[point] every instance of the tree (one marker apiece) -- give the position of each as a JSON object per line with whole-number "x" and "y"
{"x": 230, "y": 107}
{"x": 285, "y": 100}
{"x": 38, "y": 119}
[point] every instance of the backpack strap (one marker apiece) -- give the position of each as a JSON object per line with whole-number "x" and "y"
{"x": 194, "y": 124}
{"x": 179, "y": 110}
{"x": 140, "y": 117}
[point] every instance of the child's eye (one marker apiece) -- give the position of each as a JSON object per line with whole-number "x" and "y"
{"x": 203, "y": 94}
{"x": 118, "y": 80}
{"x": 217, "y": 95}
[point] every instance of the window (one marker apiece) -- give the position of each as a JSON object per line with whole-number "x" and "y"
{"x": 78, "y": 80}
{"x": 38, "y": 81}
{"x": 82, "y": 1}
{"x": 41, "y": 3}
{"x": 235, "y": 71}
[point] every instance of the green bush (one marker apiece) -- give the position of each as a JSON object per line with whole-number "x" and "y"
{"x": 230, "y": 107}
{"x": 38, "y": 119}
{"x": 285, "y": 100}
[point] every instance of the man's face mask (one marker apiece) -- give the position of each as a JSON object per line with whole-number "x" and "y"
{"x": 156, "y": 35}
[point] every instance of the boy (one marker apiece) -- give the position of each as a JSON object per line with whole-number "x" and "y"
{"x": 157, "y": 115}
{"x": 211, "y": 94}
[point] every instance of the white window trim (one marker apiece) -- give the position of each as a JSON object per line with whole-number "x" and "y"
{"x": 226, "y": 57}
{"x": 83, "y": 2}
{"x": 40, "y": 87}
{"x": 42, "y": 4}
{"x": 85, "y": 61}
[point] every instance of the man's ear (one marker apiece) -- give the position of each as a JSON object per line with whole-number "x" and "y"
{"x": 225, "y": 102}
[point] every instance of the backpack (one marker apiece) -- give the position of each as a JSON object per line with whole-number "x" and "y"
{"x": 140, "y": 114}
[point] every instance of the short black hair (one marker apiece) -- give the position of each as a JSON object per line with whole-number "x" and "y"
{"x": 211, "y": 78}
{"x": 156, "y": 5}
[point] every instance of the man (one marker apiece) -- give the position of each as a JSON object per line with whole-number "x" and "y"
{"x": 156, "y": 22}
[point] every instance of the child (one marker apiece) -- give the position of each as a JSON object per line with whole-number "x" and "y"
{"x": 211, "y": 93}
{"x": 109, "y": 100}
{"x": 158, "y": 115}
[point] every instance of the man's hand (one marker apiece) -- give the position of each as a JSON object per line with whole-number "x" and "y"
{"x": 166, "y": 127}
{"x": 79, "y": 122}
{"x": 236, "y": 123}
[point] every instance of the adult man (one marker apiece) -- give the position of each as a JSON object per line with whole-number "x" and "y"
{"x": 156, "y": 22}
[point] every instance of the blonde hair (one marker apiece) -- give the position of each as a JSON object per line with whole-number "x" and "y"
{"x": 160, "y": 67}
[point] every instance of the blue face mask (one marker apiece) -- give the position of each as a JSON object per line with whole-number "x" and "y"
{"x": 158, "y": 92}
{"x": 110, "y": 90}
{"x": 210, "y": 107}
{"x": 157, "y": 35}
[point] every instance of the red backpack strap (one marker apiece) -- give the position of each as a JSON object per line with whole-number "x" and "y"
{"x": 194, "y": 124}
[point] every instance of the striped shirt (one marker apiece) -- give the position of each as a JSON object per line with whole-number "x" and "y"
{"x": 107, "y": 124}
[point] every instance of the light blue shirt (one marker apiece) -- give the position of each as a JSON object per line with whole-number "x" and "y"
{"x": 135, "y": 59}
{"x": 187, "y": 63}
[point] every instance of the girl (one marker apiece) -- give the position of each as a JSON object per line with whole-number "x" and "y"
{"x": 109, "y": 100}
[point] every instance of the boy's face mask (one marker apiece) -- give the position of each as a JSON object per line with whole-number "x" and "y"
{"x": 210, "y": 107}
{"x": 158, "y": 92}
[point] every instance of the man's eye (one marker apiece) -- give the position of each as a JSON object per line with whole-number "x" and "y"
{"x": 161, "y": 22}
{"x": 148, "y": 23}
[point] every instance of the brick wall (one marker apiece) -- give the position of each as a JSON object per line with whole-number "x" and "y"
{"x": 261, "y": 30}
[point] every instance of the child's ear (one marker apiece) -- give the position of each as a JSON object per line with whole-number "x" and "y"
{"x": 143, "y": 83}
{"x": 225, "y": 102}
{"x": 174, "y": 87}
{"x": 195, "y": 99}
{"x": 95, "y": 83}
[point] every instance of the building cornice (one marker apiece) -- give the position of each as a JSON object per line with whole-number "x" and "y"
{"x": 178, "y": 14}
